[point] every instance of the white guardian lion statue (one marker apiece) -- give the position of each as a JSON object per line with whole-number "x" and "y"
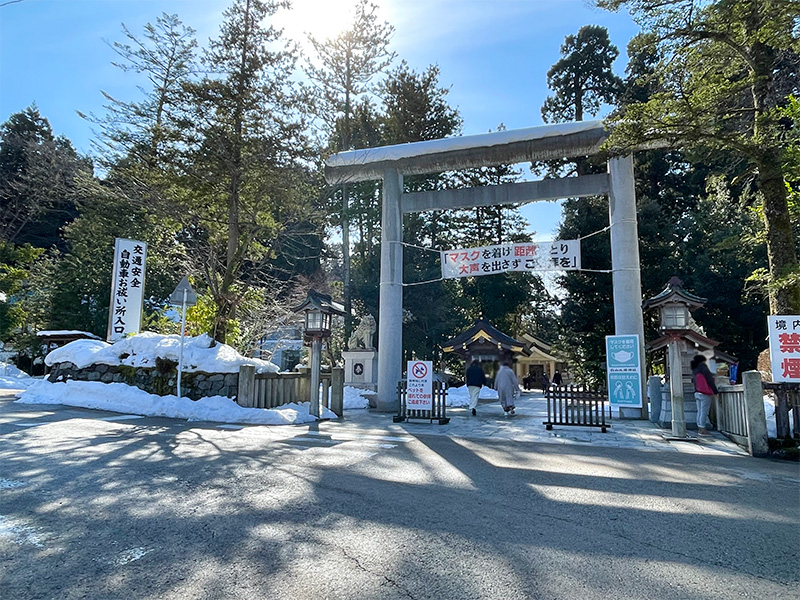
{"x": 363, "y": 334}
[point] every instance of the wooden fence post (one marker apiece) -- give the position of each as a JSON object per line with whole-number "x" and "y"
{"x": 337, "y": 391}
{"x": 245, "y": 394}
{"x": 757, "y": 444}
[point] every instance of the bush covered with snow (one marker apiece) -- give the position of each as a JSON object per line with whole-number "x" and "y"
{"x": 118, "y": 397}
{"x": 200, "y": 353}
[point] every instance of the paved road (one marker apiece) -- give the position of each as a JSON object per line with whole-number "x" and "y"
{"x": 100, "y": 505}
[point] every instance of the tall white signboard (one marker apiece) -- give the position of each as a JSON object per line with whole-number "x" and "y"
{"x": 784, "y": 347}
{"x": 419, "y": 391}
{"x": 127, "y": 289}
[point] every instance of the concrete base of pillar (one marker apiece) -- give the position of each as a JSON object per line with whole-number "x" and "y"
{"x": 386, "y": 406}
{"x": 630, "y": 413}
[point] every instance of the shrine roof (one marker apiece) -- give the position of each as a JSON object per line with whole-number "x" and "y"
{"x": 483, "y": 331}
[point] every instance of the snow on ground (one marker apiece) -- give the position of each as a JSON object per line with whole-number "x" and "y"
{"x": 122, "y": 398}
{"x": 141, "y": 351}
{"x": 769, "y": 411}
{"x": 11, "y": 378}
{"x": 460, "y": 396}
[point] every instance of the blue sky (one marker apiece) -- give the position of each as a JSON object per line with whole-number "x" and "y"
{"x": 493, "y": 54}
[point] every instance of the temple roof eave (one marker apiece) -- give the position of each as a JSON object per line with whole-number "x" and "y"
{"x": 483, "y": 332}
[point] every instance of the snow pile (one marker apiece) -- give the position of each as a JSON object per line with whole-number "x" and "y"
{"x": 141, "y": 351}
{"x": 354, "y": 399}
{"x": 81, "y": 353}
{"x": 118, "y": 397}
{"x": 11, "y": 378}
{"x": 460, "y": 396}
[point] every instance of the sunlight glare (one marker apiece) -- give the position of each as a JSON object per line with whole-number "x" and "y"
{"x": 323, "y": 19}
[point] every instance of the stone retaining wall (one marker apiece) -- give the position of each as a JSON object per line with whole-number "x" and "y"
{"x": 161, "y": 380}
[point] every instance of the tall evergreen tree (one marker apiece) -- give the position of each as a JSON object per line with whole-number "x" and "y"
{"x": 37, "y": 180}
{"x": 727, "y": 66}
{"x": 582, "y": 81}
{"x": 245, "y": 138}
{"x": 345, "y": 69}
{"x": 138, "y": 131}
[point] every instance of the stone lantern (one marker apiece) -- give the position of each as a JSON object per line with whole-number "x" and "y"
{"x": 683, "y": 338}
{"x": 318, "y": 310}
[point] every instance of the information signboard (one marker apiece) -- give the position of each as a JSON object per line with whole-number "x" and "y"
{"x": 127, "y": 289}
{"x": 624, "y": 364}
{"x": 784, "y": 347}
{"x": 560, "y": 255}
{"x": 419, "y": 389}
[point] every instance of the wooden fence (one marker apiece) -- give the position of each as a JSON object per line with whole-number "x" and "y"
{"x": 270, "y": 390}
{"x": 575, "y": 405}
{"x": 787, "y": 402}
{"x": 731, "y": 412}
{"x": 438, "y": 411}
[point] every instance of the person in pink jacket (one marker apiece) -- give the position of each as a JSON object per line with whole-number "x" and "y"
{"x": 704, "y": 391}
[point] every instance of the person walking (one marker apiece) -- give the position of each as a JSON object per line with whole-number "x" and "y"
{"x": 507, "y": 388}
{"x": 476, "y": 379}
{"x": 557, "y": 380}
{"x": 545, "y": 382}
{"x": 704, "y": 391}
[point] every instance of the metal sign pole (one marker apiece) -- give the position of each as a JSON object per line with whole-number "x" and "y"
{"x": 183, "y": 332}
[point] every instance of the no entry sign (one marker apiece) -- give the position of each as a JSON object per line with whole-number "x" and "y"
{"x": 419, "y": 391}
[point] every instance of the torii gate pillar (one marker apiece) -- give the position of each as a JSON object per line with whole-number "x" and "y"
{"x": 626, "y": 276}
{"x": 390, "y": 317}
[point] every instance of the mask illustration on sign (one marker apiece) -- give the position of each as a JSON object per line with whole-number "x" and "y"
{"x": 622, "y": 356}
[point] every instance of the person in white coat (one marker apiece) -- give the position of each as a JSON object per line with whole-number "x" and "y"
{"x": 507, "y": 388}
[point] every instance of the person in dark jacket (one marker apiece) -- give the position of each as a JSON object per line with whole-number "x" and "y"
{"x": 704, "y": 391}
{"x": 476, "y": 379}
{"x": 557, "y": 379}
{"x": 545, "y": 382}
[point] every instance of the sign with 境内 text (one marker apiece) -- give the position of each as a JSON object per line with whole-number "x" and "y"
{"x": 624, "y": 365}
{"x": 784, "y": 347}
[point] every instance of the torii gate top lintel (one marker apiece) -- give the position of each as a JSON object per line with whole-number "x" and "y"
{"x": 560, "y": 140}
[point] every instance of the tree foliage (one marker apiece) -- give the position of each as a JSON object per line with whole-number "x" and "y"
{"x": 37, "y": 174}
{"x": 582, "y": 79}
{"x": 726, "y": 68}
{"x": 343, "y": 72}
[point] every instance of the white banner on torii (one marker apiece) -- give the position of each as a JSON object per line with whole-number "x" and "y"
{"x": 559, "y": 255}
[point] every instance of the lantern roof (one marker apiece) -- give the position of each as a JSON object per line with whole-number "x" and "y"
{"x": 674, "y": 293}
{"x": 322, "y": 302}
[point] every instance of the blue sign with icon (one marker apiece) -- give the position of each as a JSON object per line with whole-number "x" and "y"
{"x": 624, "y": 364}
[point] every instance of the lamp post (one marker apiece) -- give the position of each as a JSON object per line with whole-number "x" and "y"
{"x": 318, "y": 310}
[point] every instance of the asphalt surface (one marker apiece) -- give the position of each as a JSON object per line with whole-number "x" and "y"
{"x": 100, "y": 505}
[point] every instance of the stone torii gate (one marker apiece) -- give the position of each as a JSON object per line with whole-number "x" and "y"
{"x": 566, "y": 140}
